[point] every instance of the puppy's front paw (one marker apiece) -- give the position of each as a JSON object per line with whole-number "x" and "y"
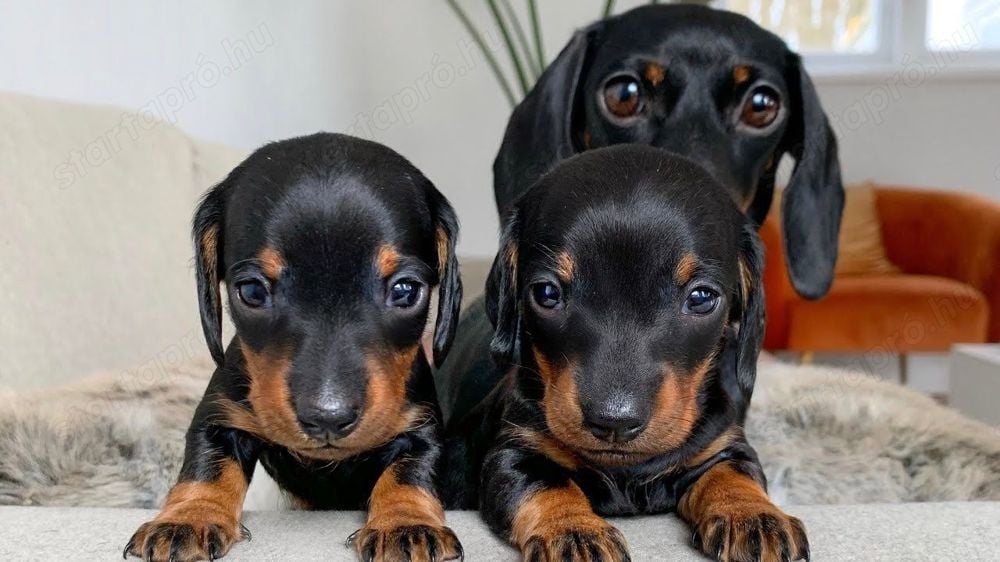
{"x": 183, "y": 539}
{"x": 411, "y": 543}
{"x": 592, "y": 543}
{"x": 751, "y": 532}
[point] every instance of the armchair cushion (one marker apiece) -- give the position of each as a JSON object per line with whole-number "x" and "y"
{"x": 889, "y": 314}
{"x": 860, "y": 250}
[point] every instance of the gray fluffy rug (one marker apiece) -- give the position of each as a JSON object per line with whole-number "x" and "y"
{"x": 824, "y": 436}
{"x": 109, "y": 441}
{"x": 832, "y": 436}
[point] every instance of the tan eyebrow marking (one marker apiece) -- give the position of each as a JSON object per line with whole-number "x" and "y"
{"x": 271, "y": 262}
{"x": 387, "y": 260}
{"x": 741, "y": 73}
{"x": 565, "y": 266}
{"x": 685, "y": 268}
{"x": 655, "y": 73}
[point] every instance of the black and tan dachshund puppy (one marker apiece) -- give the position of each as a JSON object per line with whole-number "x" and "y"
{"x": 628, "y": 313}
{"x": 327, "y": 247}
{"x": 707, "y": 84}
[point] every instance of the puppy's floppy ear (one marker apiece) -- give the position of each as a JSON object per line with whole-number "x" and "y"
{"x": 207, "y": 232}
{"x": 540, "y": 130}
{"x": 502, "y": 303}
{"x": 750, "y": 312}
{"x": 814, "y": 199}
{"x": 449, "y": 280}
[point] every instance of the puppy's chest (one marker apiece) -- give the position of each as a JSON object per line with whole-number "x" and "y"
{"x": 345, "y": 485}
{"x": 627, "y": 494}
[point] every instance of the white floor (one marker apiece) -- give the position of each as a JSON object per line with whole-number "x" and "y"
{"x": 926, "y": 372}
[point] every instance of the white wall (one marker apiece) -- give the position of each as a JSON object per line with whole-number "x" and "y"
{"x": 404, "y": 72}
{"x": 942, "y": 132}
{"x": 237, "y": 72}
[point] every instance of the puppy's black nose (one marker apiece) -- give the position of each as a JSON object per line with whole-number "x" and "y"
{"x": 615, "y": 425}
{"x": 330, "y": 420}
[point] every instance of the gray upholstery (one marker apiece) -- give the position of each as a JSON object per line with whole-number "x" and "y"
{"x": 910, "y": 532}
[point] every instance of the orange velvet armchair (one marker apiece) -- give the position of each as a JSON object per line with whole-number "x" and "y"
{"x": 947, "y": 246}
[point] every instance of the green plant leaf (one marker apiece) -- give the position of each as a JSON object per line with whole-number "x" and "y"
{"x": 536, "y": 29}
{"x": 490, "y": 59}
{"x": 511, "y": 51}
{"x": 522, "y": 39}
{"x": 609, "y": 5}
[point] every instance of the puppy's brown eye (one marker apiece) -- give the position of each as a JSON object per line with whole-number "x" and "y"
{"x": 623, "y": 96}
{"x": 253, "y": 293}
{"x": 546, "y": 295}
{"x": 404, "y": 293}
{"x": 701, "y": 301}
{"x": 760, "y": 108}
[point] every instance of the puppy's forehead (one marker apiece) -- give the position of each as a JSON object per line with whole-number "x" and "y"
{"x": 650, "y": 234}
{"x": 346, "y": 208}
{"x": 633, "y": 205}
{"x": 325, "y": 192}
{"x": 692, "y": 33}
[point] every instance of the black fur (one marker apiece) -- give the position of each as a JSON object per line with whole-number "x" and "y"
{"x": 692, "y": 112}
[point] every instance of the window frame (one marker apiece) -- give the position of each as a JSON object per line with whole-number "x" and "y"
{"x": 901, "y": 43}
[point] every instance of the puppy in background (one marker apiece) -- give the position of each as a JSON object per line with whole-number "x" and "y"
{"x": 628, "y": 312}
{"x": 708, "y": 84}
{"x": 327, "y": 248}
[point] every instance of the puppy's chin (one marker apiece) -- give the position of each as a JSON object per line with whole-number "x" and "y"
{"x": 330, "y": 452}
{"x": 615, "y": 457}
{"x": 377, "y": 427}
{"x": 601, "y": 453}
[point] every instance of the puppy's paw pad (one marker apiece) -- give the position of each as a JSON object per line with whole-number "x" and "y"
{"x": 173, "y": 541}
{"x": 592, "y": 545}
{"x": 412, "y": 543}
{"x": 759, "y": 533}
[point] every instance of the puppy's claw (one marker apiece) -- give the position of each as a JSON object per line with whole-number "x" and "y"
{"x": 128, "y": 548}
{"x": 758, "y": 534}
{"x": 160, "y": 541}
{"x": 413, "y": 542}
{"x": 572, "y": 545}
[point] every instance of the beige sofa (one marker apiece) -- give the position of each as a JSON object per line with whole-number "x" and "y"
{"x": 95, "y": 204}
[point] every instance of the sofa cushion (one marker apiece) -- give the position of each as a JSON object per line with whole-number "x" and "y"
{"x": 96, "y": 213}
{"x": 889, "y": 313}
